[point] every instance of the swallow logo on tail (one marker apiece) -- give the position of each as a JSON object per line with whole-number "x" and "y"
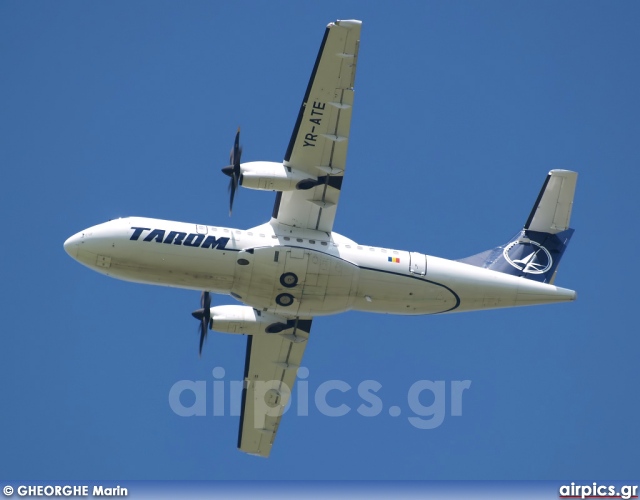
{"x": 528, "y": 256}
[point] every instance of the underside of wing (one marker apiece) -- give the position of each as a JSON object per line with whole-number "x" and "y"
{"x": 270, "y": 371}
{"x": 320, "y": 137}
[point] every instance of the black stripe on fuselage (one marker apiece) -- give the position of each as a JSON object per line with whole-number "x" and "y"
{"x": 457, "y": 304}
{"x": 421, "y": 279}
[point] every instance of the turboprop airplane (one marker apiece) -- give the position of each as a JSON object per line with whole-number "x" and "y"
{"x": 295, "y": 267}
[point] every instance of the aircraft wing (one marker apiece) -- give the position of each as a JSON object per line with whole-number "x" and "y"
{"x": 269, "y": 374}
{"x": 320, "y": 137}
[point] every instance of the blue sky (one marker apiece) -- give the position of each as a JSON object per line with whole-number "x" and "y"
{"x": 112, "y": 109}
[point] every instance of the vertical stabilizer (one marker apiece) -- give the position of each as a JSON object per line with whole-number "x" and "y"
{"x": 535, "y": 252}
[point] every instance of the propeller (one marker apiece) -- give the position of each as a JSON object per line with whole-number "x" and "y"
{"x": 233, "y": 170}
{"x": 204, "y": 316}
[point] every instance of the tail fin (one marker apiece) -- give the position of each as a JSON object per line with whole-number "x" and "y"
{"x": 536, "y": 250}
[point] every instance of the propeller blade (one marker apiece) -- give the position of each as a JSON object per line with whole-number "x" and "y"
{"x": 237, "y": 150}
{"x": 203, "y": 335}
{"x": 232, "y": 192}
{"x": 204, "y": 316}
{"x": 205, "y": 301}
{"x": 233, "y": 170}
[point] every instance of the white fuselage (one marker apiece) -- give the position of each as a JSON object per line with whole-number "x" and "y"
{"x": 293, "y": 272}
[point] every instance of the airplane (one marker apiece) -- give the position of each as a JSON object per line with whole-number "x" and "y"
{"x": 294, "y": 268}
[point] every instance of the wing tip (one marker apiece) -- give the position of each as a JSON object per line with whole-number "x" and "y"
{"x": 563, "y": 173}
{"x": 346, "y": 23}
{"x": 254, "y": 454}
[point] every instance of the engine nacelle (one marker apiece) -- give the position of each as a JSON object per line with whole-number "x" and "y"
{"x": 272, "y": 176}
{"x": 246, "y": 320}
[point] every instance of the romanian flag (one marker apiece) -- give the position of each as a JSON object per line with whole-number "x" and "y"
{"x": 396, "y": 260}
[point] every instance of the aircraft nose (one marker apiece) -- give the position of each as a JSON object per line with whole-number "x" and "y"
{"x": 71, "y": 245}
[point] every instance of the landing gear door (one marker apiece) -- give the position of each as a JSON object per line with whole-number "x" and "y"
{"x": 418, "y": 264}
{"x": 292, "y": 274}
